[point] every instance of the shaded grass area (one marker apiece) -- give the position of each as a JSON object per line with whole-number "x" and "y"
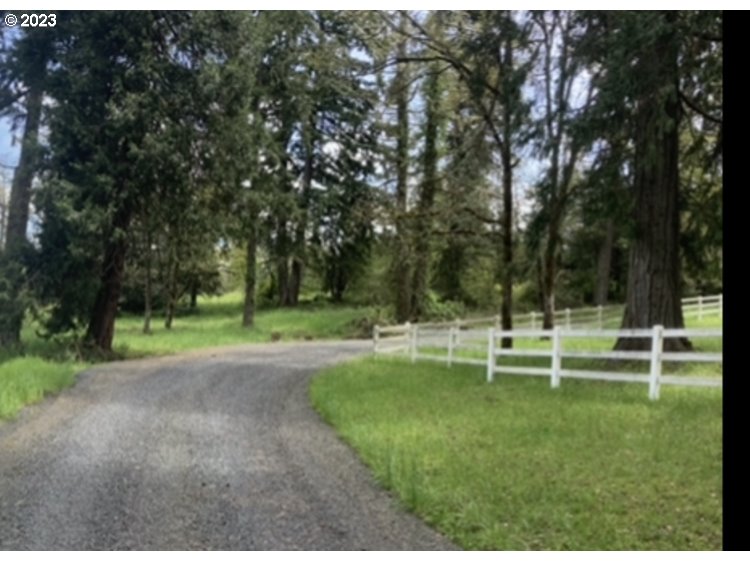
{"x": 216, "y": 322}
{"x": 26, "y": 380}
{"x": 516, "y": 465}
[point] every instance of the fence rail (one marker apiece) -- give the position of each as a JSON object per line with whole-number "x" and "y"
{"x": 409, "y": 338}
{"x": 586, "y": 317}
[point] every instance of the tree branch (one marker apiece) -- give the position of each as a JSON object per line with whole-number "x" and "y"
{"x": 692, "y": 105}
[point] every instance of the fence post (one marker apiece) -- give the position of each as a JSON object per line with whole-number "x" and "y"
{"x": 700, "y": 307}
{"x": 556, "y": 357}
{"x": 407, "y": 335}
{"x": 375, "y": 338}
{"x": 600, "y": 316}
{"x": 657, "y": 346}
{"x": 414, "y": 337}
{"x": 567, "y": 318}
{"x": 451, "y": 335}
{"x": 533, "y": 320}
{"x": 490, "y": 354}
{"x": 721, "y": 306}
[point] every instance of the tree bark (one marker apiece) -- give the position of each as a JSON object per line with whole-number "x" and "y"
{"x": 282, "y": 260}
{"x": 401, "y": 267}
{"x": 295, "y": 280}
{"x": 654, "y": 282}
{"x": 147, "y": 289}
{"x": 423, "y": 222}
{"x": 101, "y": 328}
{"x": 11, "y": 308}
{"x": 298, "y": 259}
{"x": 248, "y": 310}
{"x": 339, "y": 287}
{"x": 171, "y": 287}
{"x": 506, "y": 157}
{"x": 506, "y": 309}
{"x": 3, "y": 219}
{"x": 549, "y": 272}
{"x": 604, "y": 264}
{"x": 282, "y": 273}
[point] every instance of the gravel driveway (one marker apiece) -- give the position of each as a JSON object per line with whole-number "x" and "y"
{"x": 217, "y": 449}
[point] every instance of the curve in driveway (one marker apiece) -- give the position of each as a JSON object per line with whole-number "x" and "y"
{"x": 217, "y": 449}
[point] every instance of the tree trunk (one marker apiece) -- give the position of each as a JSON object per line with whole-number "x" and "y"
{"x": 282, "y": 260}
{"x": 282, "y": 272}
{"x": 194, "y": 295}
{"x": 423, "y": 226}
{"x": 339, "y": 287}
{"x": 11, "y": 307}
{"x": 401, "y": 267}
{"x": 298, "y": 260}
{"x": 452, "y": 264}
{"x": 506, "y": 310}
{"x": 295, "y": 281}
{"x": 20, "y": 195}
{"x": 549, "y": 271}
{"x": 540, "y": 281}
{"x": 506, "y": 156}
{"x": 604, "y": 264}
{"x": 654, "y": 282}
{"x": 248, "y": 310}
{"x": 171, "y": 288}
{"x": 101, "y": 328}
{"x": 147, "y": 289}
{"x": 3, "y": 219}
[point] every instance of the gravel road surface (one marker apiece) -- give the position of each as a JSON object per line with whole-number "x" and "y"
{"x": 216, "y": 449}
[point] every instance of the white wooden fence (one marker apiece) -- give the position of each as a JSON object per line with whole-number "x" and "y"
{"x": 702, "y": 306}
{"x": 408, "y": 339}
{"x": 586, "y": 317}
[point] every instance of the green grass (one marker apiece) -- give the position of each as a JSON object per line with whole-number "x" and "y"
{"x": 217, "y": 322}
{"x": 26, "y": 380}
{"x": 516, "y": 465}
{"x": 50, "y": 365}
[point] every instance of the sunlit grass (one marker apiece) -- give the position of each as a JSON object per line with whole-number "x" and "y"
{"x": 217, "y": 321}
{"x": 516, "y": 465}
{"x": 25, "y": 380}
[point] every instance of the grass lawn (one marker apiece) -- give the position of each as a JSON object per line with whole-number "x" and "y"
{"x": 25, "y": 380}
{"x": 515, "y": 465}
{"x": 217, "y": 322}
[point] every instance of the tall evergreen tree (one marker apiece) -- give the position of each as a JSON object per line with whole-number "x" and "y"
{"x": 643, "y": 58}
{"x": 25, "y": 75}
{"x": 141, "y": 76}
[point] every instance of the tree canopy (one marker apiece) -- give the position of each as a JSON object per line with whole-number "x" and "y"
{"x": 426, "y": 161}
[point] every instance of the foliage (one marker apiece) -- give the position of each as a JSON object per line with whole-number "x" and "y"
{"x": 401, "y": 159}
